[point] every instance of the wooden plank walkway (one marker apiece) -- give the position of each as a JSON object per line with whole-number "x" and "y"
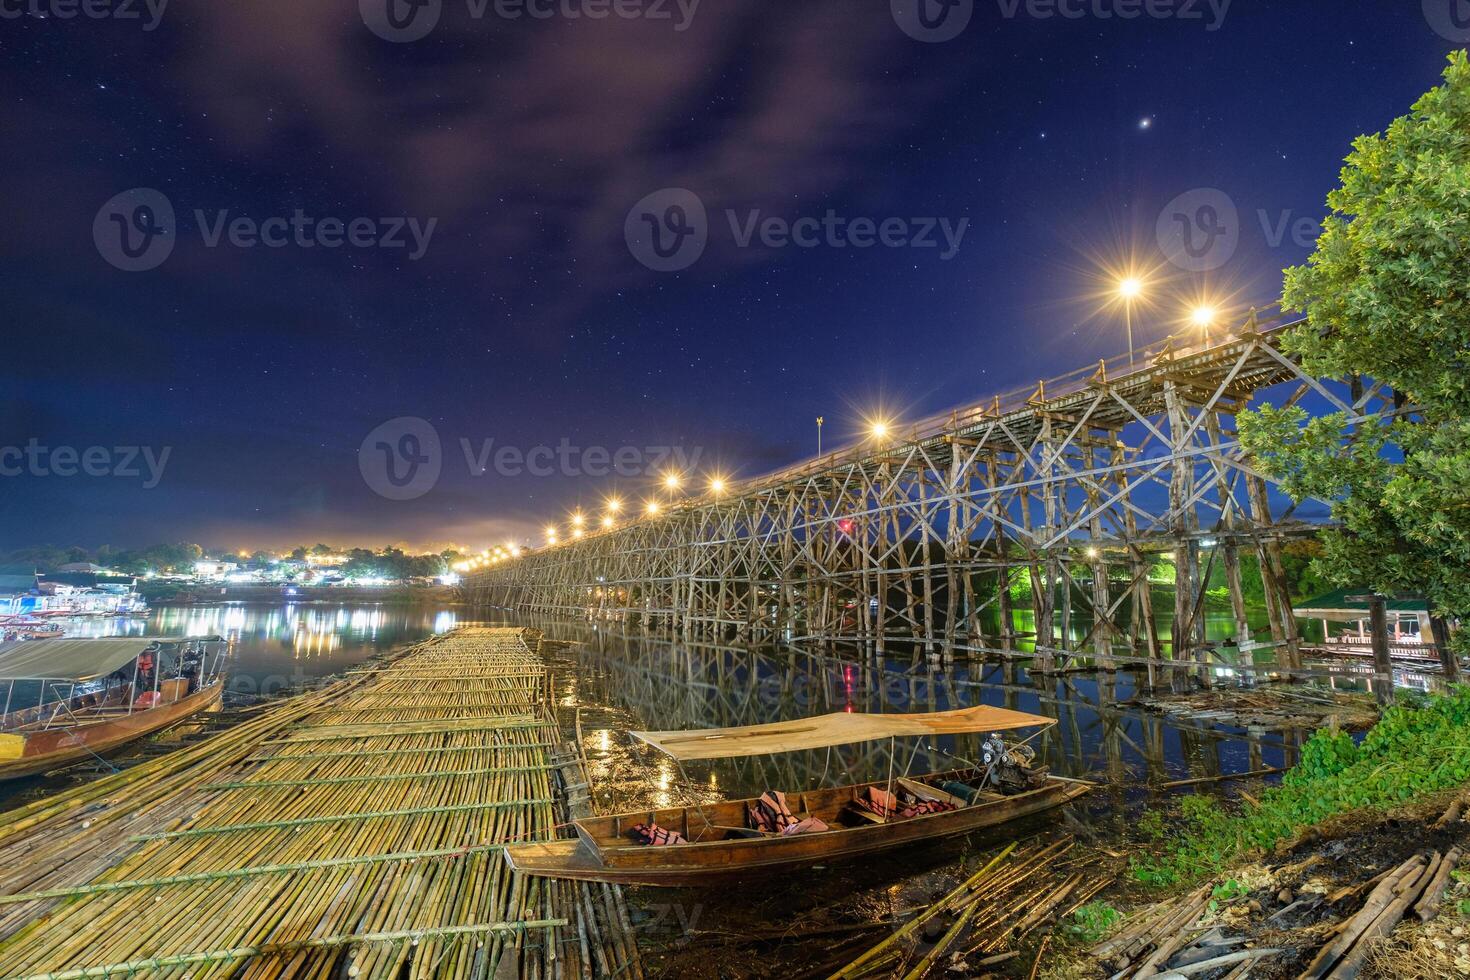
{"x": 352, "y": 831}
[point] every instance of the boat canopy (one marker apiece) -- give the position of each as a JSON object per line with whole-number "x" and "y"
{"x": 69, "y": 660}
{"x": 838, "y": 728}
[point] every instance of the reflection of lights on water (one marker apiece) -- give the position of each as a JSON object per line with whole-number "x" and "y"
{"x": 663, "y": 799}
{"x": 444, "y": 622}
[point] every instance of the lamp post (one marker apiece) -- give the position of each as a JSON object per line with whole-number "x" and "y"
{"x": 820, "y": 420}
{"x": 1129, "y": 289}
{"x": 1203, "y": 316}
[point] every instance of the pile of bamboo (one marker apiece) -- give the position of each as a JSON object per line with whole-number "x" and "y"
{"x": 989, "y": 914}
{"x": 1418, "y": 884}
{"x": 358, "y": 829}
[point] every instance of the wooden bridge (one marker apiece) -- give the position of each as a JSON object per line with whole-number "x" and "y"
{"x": 355, "y": 831}
{"x": 1077, "y": 484}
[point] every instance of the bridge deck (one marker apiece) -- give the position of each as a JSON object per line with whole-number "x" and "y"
{"x": 356, "y": 827}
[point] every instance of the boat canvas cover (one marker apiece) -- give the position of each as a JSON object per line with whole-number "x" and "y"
{"x": 70, "y": 660}
{"x": 838, "y": 728}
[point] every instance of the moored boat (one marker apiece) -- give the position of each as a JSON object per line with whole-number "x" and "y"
{"x": 721, "y": 840}
{"x": 69, "y": 700}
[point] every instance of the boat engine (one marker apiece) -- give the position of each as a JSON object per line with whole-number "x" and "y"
{"x": 1007, "y": 768}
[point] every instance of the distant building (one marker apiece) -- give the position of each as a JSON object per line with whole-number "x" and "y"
{"x": 213, "y": 569}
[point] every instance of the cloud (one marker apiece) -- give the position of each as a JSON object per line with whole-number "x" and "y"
{"x": 531, "y": 139}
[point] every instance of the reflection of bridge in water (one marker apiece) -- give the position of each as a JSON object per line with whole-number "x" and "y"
{"x": 1076, "y": 486}
{"x": 681, "y": 684}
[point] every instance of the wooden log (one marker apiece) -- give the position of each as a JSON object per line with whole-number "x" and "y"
{"x": 1428, "y": 905}
{"x": 1380, "y": 901}
{"x": 1204, "y": 966}
{"x": 1223, "y": 777}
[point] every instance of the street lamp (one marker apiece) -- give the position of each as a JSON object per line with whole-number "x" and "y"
{"x": 878, "y": 430}
{"x": 1203, "y": 317}
{"x": 1129, "y": 289}
{"x": 820, "y": 420}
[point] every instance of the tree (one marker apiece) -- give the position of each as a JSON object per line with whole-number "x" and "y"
{"x": 1387, "y": 296}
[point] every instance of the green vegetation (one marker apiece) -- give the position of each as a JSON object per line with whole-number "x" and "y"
{"x": 1411, "y": 752}
{"x": 1386, "y": 298}
{"x": 1092, "y": 923}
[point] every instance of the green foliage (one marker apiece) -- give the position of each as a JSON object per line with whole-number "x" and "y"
{"x": 1411, "y": 752}
{"x": 1151, "y": 824}
{"x": 1229, "y": 891}
{"x": 1386, "y": 296}
{"x": 1093, "y": 922}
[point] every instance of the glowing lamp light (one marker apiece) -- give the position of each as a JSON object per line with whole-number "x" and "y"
{"x": 607, "y": 521}
{"x": 614, "y": 504}
{"x": 577, "y": 533}
{"x": 652, "y": 507}
{"x": 577, "y": 519}
{"x": 672, "y": 481}
{"x": 1130, "y": 288}
{"x": 878, "y": 430}
{"x": 1203, "y": 316}
{"x": 717, "y": 486}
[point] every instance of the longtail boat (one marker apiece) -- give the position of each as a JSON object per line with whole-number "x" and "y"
{"x": 713, "y": 841}
{"x": 69, "y": 700}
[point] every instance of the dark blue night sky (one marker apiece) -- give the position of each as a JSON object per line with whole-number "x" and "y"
{"x": 1055, "y": 142}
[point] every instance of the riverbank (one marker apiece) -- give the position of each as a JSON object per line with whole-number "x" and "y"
{"x": 185, "y": 594}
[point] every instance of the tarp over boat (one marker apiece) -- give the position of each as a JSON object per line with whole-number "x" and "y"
{"x": 70, "y": 660}
{"x": 838, "y": 728}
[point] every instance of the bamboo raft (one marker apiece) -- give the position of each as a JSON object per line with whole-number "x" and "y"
{"x": 351, "y": 831}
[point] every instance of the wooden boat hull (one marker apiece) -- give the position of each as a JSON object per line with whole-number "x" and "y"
{"x": 34, "y": 752}
{"x": 702, "y": 861}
